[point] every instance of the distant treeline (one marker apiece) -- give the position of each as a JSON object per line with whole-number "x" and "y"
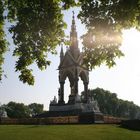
{"x": 109, "y": 104}
{"x": 20, "y": 110}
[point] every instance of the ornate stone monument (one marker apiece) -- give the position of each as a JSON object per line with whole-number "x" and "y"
{"x": 71, "y": 66}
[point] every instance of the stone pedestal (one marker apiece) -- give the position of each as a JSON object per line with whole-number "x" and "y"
{"x": 88, "y": 112}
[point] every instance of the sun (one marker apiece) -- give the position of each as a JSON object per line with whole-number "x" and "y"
{"x": 131, "y": 38}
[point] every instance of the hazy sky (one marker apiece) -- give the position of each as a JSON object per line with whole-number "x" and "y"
{"x": 123, "y": 79}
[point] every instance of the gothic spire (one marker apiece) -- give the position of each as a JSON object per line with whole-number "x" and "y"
{"x": 73, "y": 37}
{"x": 61, "y": 53}
{"x": 73, "y": 26}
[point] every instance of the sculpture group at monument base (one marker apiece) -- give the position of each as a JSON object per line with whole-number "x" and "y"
{"x": 84, "y": 112}
{"x": 82, "y": 107}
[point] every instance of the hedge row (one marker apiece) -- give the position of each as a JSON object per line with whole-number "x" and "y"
{"x": 63, "y": 120}
{"x": 112, "y": 120}
{"x": 37, "y": 121}
{"x": 131, "y": 124}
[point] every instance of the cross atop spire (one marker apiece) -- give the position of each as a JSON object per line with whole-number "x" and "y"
{"x": 73, "y": 18}
{"x": 73, "y": 13}
{"x": 73, "y": 26}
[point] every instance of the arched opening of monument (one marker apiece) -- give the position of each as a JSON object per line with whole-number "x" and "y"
{"x": 67, "y": 90}
{"x": 80, "y": 86}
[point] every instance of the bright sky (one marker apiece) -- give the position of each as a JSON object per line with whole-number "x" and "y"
{"x": 123, "y": 79}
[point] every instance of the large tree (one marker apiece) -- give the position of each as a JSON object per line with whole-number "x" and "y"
{"x": 110, "y": 104}
{"x": 20, "y": 110}
{"x": 35, "y": 109}
{"x": 38, "y": 28}
{"x": 17, "y": 110}
{"x": 105, "y": 20}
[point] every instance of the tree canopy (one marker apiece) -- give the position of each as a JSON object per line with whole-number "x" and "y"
{"x": 37, "y": 28}
{"x": 20, "y": 110}
{"x": 109, "y": 104}
{"x": 35, "y": 109}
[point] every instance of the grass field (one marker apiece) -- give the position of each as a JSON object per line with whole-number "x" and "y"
{"x": 66, "y": 132}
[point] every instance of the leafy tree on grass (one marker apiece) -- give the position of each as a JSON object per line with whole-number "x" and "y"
{"x": 17, "y": 110}
{"x": 20, "y": 110}
{"x": 35, "y": 109}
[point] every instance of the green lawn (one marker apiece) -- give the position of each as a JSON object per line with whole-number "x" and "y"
{"x": 66, "y": 132}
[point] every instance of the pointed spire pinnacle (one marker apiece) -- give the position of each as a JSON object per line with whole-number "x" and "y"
{"x": 73, "y": 36}
{"x": 73, "y": 13}
{"x": 73, "y": 26}
{"x": 61, "y": 53}
{"x": 73, "y": 19}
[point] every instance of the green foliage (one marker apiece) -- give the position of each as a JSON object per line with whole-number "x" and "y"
{"x": 3, "y": 42}
{"x": 38, "y": 28}
{"x": 35, "y": 109}
{"x": 109, "y": 104}
{"x": 66, "y": 4}
{"x": 66, "y": 132}
{"x": 20, "y": 110}
{"x": 17, "y": 110}
{"x": 105, "y": 20}
{"x": 26, "y": 76}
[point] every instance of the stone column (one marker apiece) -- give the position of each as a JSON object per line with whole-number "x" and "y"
{"x": 61, "y": 94}
{"x": 76, "y": 82}
{"x": 76, "y": 86}
{"x": 86, "y": 90}
{"x": 72, "y": 89}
